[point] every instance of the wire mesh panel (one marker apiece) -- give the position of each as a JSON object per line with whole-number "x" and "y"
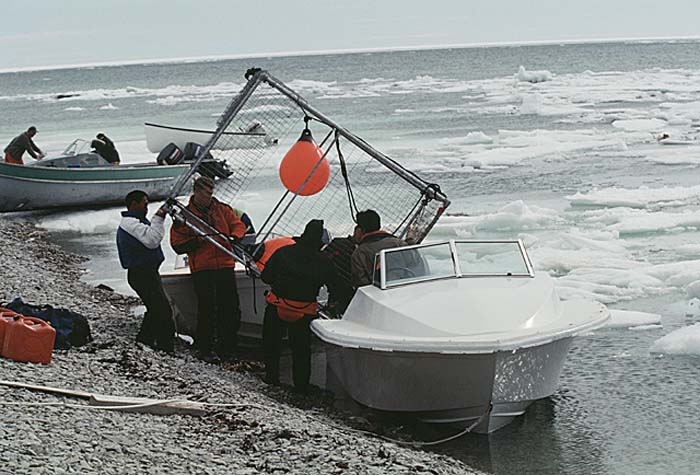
{"x": 253, "y": 135}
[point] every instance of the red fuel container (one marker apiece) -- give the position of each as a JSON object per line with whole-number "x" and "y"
{"x": 5, "y": 318}
{"x": 29, "y": 340}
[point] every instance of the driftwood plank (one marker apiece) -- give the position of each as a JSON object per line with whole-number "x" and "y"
{"x": 151, "y": 406}
{"x": 127, "y": 404}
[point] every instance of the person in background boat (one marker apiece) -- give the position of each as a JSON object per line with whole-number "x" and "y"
{"x": 218, "y": 307}
{"x": 104, "y": 146}
{"x": 138, "y": 243}
{"x": 340, "y": 289}
{"x": 295, "y": 274}
{"x": 20, "y": 144}
{"x": 370, "y": 240}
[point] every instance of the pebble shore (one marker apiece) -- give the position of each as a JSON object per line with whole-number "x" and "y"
{"x": 267, "y": 430}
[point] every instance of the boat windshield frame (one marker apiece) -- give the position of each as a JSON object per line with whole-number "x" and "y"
{"x": 380, "y": 263}
{"x": 75, "y": 147}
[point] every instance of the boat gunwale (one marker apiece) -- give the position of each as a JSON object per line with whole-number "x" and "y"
{"x": 455, "y": 345}
{"x": 202, "y": 131}
{"x": 87, "y": 175}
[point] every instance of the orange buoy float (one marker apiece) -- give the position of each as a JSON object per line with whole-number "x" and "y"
{"x": 29, "y": 340}
{"x": 298, "y": 164}
{"x": 269, "y": 248}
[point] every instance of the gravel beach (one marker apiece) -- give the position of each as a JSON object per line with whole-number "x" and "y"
{"x": 265, "y": 430}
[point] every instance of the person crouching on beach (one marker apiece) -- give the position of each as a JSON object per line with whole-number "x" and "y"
{"x": 213, "y": 274}
{"x": 20, "y": 144}
{"x": 295, "y": 274}
{"x": 138, "y": 243}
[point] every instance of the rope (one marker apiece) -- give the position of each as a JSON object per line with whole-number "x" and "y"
{"x": 414, "y": 443}
{"x": 128, "y": 406}
{"x": 344, "y": 172}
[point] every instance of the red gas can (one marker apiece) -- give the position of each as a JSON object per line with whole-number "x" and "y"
{"x": 5, "y": 317}
{"x": 28, "y": 339}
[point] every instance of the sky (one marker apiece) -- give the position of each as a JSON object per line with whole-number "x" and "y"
{"x": 38, "y": 33}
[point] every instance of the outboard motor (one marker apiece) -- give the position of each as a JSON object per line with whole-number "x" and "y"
{"x": 170, "y": 155}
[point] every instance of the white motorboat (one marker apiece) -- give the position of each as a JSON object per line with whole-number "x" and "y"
{"x": 158, "y": 136}
{"x": 454, "y": 331}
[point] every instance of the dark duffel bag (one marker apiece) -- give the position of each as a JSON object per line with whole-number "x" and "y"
{"x": 72, "y": 329}
{"x": 170, "y": 155}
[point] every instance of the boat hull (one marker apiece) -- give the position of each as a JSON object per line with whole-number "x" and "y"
{"x": 455, "y": 389}
{"x": 180, "y": 290}
{"x": 158, "y": 136}
{"x": 25, "y": 188}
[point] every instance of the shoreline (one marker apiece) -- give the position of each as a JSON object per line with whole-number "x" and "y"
{"x": 271, "y": 430}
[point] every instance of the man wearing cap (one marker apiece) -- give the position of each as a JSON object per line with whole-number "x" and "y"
{"x": 218, "y": 309}
{"x": 295, "y": 274}
{"x": 20, "y": 144}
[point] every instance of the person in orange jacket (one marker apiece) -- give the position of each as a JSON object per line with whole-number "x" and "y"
{"x": 218, "y": 307}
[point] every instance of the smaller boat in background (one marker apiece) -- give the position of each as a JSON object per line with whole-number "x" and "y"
{"x": 81, "y": 178}
{"x": 159, "y": 136}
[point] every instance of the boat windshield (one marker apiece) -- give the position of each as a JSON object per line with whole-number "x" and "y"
{"x": 451, "y": 259}
{"x": 75, "y": 147}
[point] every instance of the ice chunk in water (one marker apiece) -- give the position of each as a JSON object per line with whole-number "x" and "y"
{"x": 628, "y": 319}
{"x": 684, "y": 341}
{"x": 693, "y": 307}
{"x": 693, "y": 291}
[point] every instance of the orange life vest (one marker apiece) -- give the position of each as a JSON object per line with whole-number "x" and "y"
{"x": 271, "y": 245}
{"x": 291, "y": 310}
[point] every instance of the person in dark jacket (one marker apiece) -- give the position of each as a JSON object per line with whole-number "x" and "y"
{"x": 138, "y": 243}
{"x": 295, "y": 274}
{"x": 370, "y": 240}
{"x": 20, "y": 144}
{"x": 340, "y": 288}
{"x": 104, "y": 146}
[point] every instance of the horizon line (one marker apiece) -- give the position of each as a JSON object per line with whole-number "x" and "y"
{"x": 388, "y": 49}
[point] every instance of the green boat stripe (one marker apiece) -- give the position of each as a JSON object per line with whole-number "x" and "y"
{"x": 91, "y": 175}
{"x": 88, "y": 182}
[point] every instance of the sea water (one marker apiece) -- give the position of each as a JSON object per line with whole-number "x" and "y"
{"x": 555, "y": 145}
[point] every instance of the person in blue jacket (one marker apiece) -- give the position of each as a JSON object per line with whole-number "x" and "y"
{"x": 138, "y": 243}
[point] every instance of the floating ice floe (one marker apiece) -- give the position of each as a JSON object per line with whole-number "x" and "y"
{"x": 684, "y": 341}
{"x": 511, "y": 147}
{"x": 471, "y": 138}
{"x": 640, "y": 124}
{"x": 692, "y": 308}
{"x": 629, "y": 319}
{"x": 659, "y": 222}
{"x": 515, "y": 216}
{"x": 641, "y": 197}
{"x": 109, "y": 107}
{"x": 693, "y": 289}
{"x": 85, "y": 222}
{"x": 532, "y": 76}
